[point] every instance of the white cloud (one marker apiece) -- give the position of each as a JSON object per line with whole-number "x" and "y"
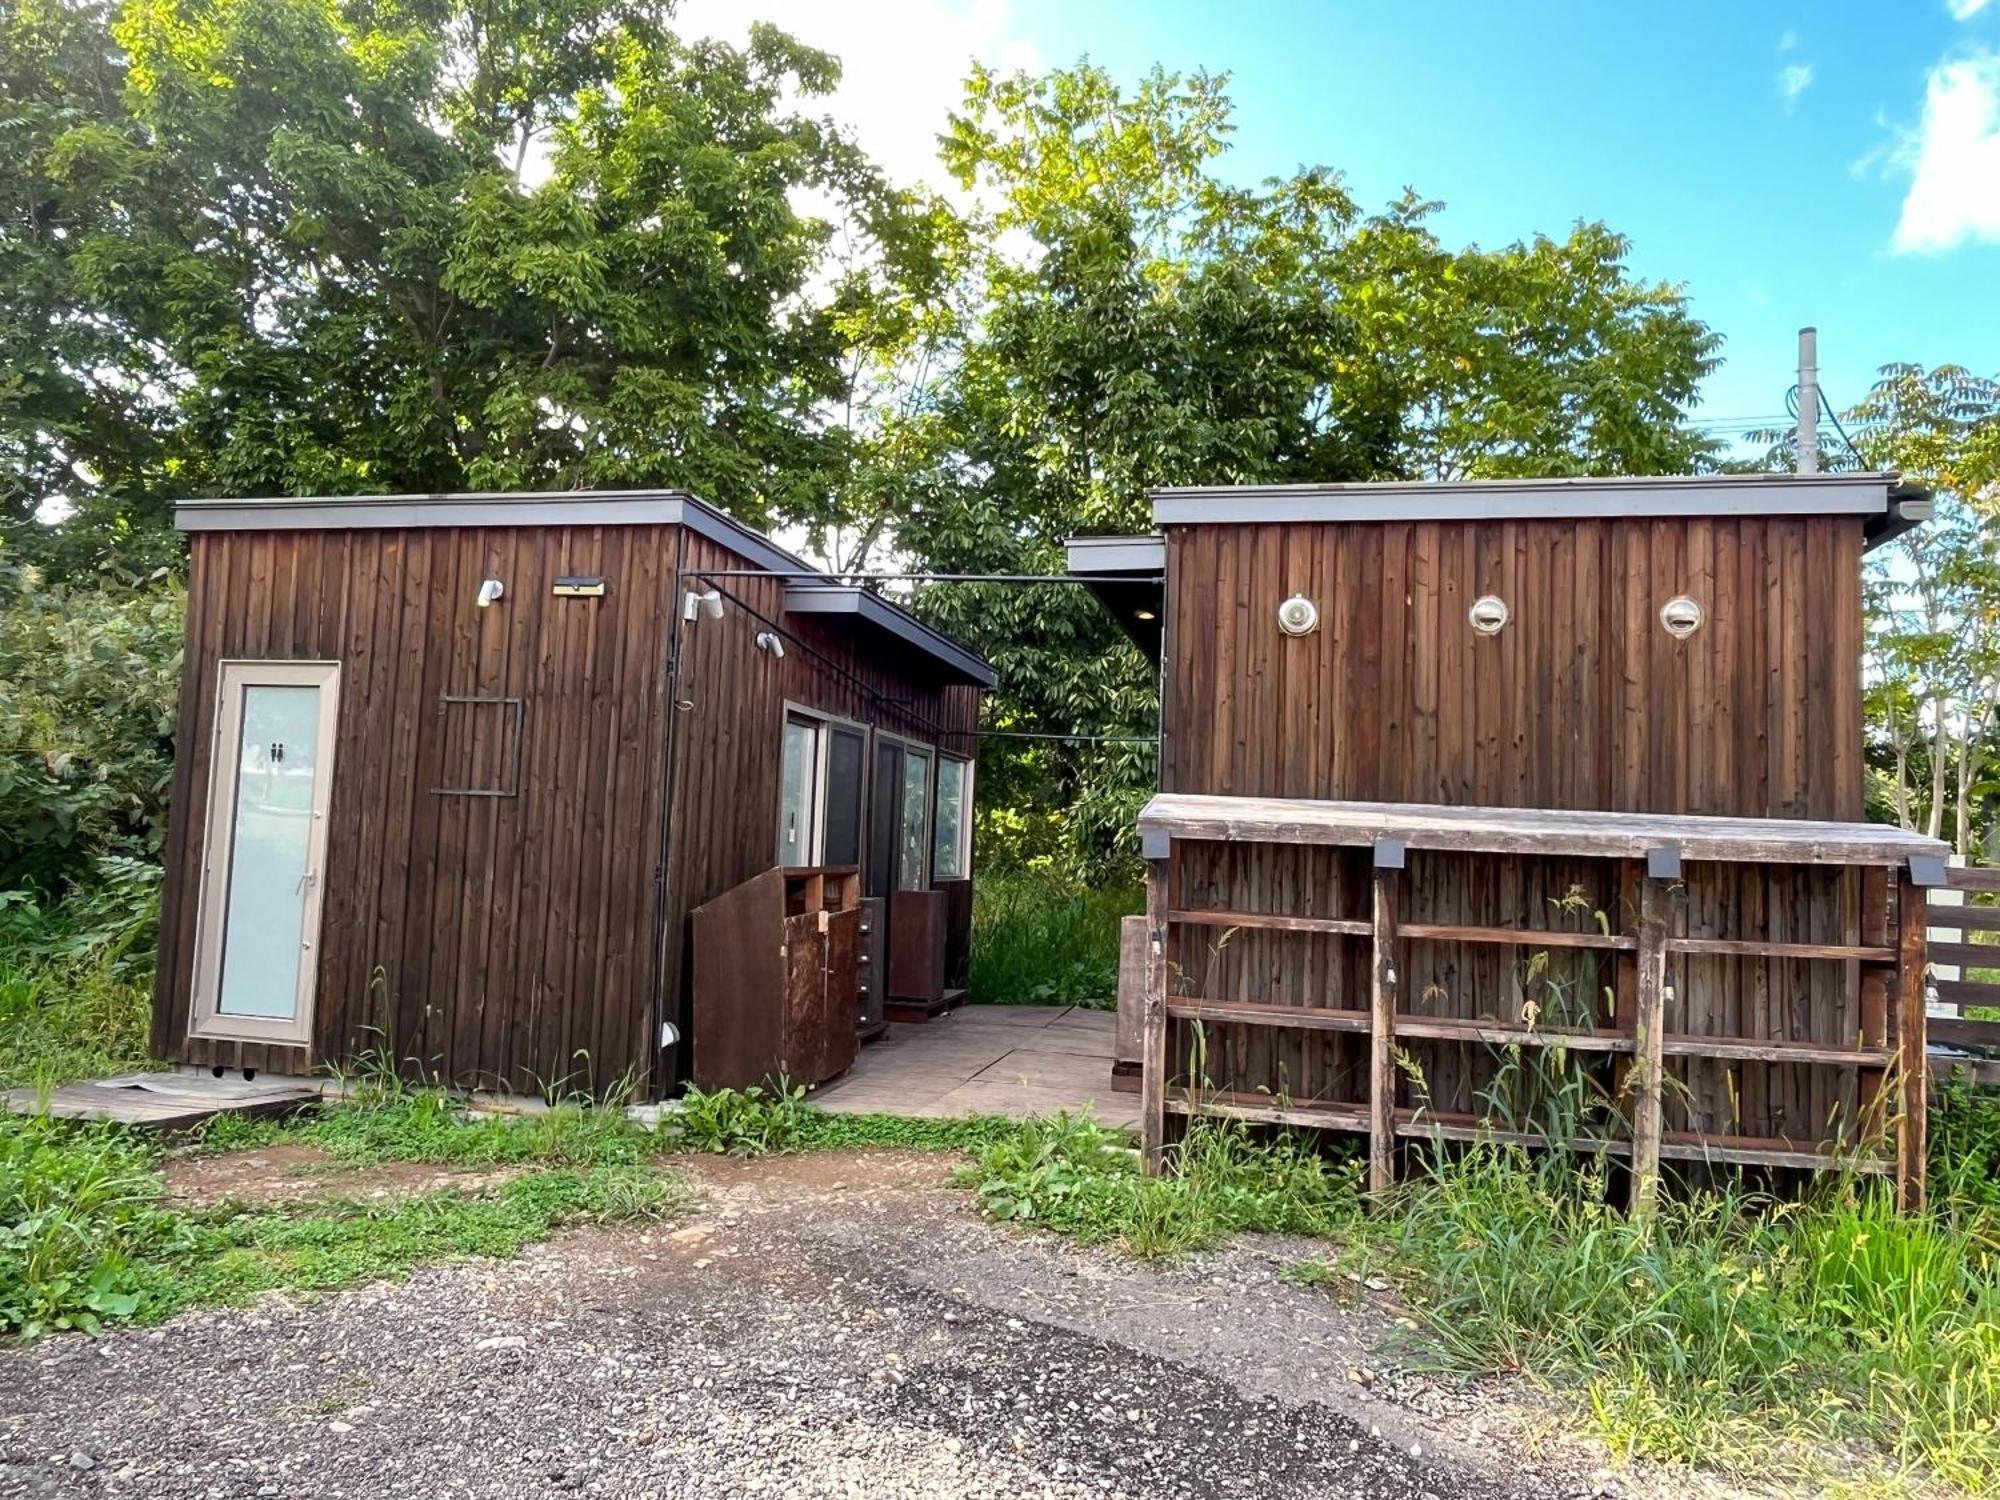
{"x": 1793, "y": 80}
{"x": 1953, "y": 158}
{"x": 1964, "y": 10}
{"x": 1789, "y": 41}
{"x": 903, "y": 63}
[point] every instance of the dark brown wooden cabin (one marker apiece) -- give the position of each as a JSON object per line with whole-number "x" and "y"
{"x": 1342, "y": 662}
{"x": 468, "y": 836}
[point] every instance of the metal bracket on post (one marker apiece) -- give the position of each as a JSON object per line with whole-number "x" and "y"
{"x": 1390, "y": 854}
{"x": 1663, "y": 863}
{"x": 1927, "y": 870}
{"x": 1155, "y": 843}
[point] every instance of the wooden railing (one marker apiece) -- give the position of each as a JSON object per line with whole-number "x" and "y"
{"x": 1967, "y": 1043}
{"x": 1870, "y": 921}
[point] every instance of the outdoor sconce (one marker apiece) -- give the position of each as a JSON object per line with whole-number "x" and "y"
{"x": 1682, "y": 617}
{"x": 706, "y": 602}
{"x": 1488, "y": 614}
{"x": 768, "y": 640}
{"x": 1298, "y": 615}
{"x": 489, "y": 593}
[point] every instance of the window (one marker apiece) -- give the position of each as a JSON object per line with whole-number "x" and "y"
{"x": 913, "y": 857}
{"x": 820, "y": 782}
{"x": 798, "y": 792}
{"x": 846, "y": 765}
{"x": 953, "y": 859}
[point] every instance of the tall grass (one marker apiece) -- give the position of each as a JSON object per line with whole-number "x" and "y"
{"x": 65, "y": 1019}
{"x": 1082, "y": 1180}
{"x": 1041, "y": 939}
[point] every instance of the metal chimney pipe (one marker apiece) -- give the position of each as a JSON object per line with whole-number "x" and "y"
{"x": 1808, "y": 435}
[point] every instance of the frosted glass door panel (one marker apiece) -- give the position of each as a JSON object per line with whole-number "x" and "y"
{"x": 271, "y": 853}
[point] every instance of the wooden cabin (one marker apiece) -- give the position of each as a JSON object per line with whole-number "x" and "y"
{"x": 455, "y": 771}
{"x": 1526, "y": 807}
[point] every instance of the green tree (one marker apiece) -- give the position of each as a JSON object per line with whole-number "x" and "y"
{"x": 1123, "y": 317}
{"x": 1935, "y": 590}
{"x": 288, "y": 246}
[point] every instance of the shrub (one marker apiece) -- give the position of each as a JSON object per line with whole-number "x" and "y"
{"x": 1038, "y": 939}
{"x": 88, "y": 684}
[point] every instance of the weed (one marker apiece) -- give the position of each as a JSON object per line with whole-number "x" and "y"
{"x": 1081, "y": 1180}
{"x": 738, "y": 1122}
{"x": 79, "y": 1210}
{"x": 1727, "y": 1329}
{"x": 229, "y": 1256}
{"x": 65, "y": 1019}
{"x": 1038, "y": 939}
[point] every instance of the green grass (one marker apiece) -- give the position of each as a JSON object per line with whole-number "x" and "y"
{"x": 225, "y": 1256}
{"x": 66, "y": 1019}
{"x": 1731, "y": 1331}
{"x": 1082, "y": 1180}
{"x": 1039, "y": 939}
{"x": 86, "y": 1239}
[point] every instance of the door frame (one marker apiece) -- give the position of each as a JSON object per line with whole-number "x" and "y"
{"x": 929, "y": 754}
{"x": 205, "y": 1018}
{"x": 826, "y": 723}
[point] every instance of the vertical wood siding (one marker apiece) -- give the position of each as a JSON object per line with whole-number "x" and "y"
{"x": 516, "y": 942}
{"x": 499, "y": 941}
{"x": 1582, "y": 701}
{"x": 729, "y": 738}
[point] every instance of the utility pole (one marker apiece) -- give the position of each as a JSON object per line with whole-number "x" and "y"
{"x": 1808, "y": 435}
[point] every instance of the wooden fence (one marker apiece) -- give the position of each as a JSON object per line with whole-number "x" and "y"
{"x": 1961, "y": 1039}
{"x": 1299, "y": 953}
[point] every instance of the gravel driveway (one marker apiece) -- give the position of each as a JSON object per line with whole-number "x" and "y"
{"x": 831, "y": 1325}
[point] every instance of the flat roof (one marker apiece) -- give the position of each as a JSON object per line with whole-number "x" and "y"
{"x": 1520, "y": 830}
{"x": 1887, "y": 503}
{"x": 662, "y": 507}
{"x": 872, "y": 608}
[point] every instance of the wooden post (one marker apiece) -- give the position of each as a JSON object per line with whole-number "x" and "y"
{"x": 1153, "y": 1024}
{"x": 1912, "y": 1061}
{"x": 1876, "y": 932}
{"x": 1382, "y": 1038}
{"x": 1649, "y": 1025}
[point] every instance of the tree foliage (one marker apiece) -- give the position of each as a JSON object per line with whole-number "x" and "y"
{"x": 1935, "y": 594}
{"x": 324, "y": 246}
{"x": 293, "y": 246}
{"x": 1125, "y": 317}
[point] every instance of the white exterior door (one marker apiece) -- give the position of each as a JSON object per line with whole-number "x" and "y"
{"x": 270, "y": 784}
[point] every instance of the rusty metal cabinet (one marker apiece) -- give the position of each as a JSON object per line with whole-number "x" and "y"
{"x": 776, "y": 979}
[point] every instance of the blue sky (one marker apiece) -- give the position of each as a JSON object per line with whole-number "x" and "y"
{"x": 1835, "y": 164}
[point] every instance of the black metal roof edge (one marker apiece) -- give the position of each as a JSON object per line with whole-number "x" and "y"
{"x": 835, "y": 598}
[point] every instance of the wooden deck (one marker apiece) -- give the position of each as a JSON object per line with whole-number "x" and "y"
{"x": 1013, "y": 1060}
{"x": 163, "y": 1101}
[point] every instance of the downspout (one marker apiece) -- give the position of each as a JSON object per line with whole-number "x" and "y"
{"x": 663, "y": 874}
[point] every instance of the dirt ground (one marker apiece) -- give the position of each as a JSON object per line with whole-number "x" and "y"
{"x": 835, "y": 1325}
{"x": 290, "y": 1174}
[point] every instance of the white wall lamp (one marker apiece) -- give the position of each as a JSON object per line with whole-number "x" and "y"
{"x": 769, "y": 640}
{"x": 1681, "y": 616}
{"x": 489, "y": 593}
{"x": 1489, "y": 614}
{"x": 1298, "y": 615}
{"x": 701, "y": 602}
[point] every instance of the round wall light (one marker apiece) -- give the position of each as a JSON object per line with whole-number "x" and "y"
{"x": 1298, "y": 615}
{"x": 1488, "y": 614}
{"x": 1682, "y": 617}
